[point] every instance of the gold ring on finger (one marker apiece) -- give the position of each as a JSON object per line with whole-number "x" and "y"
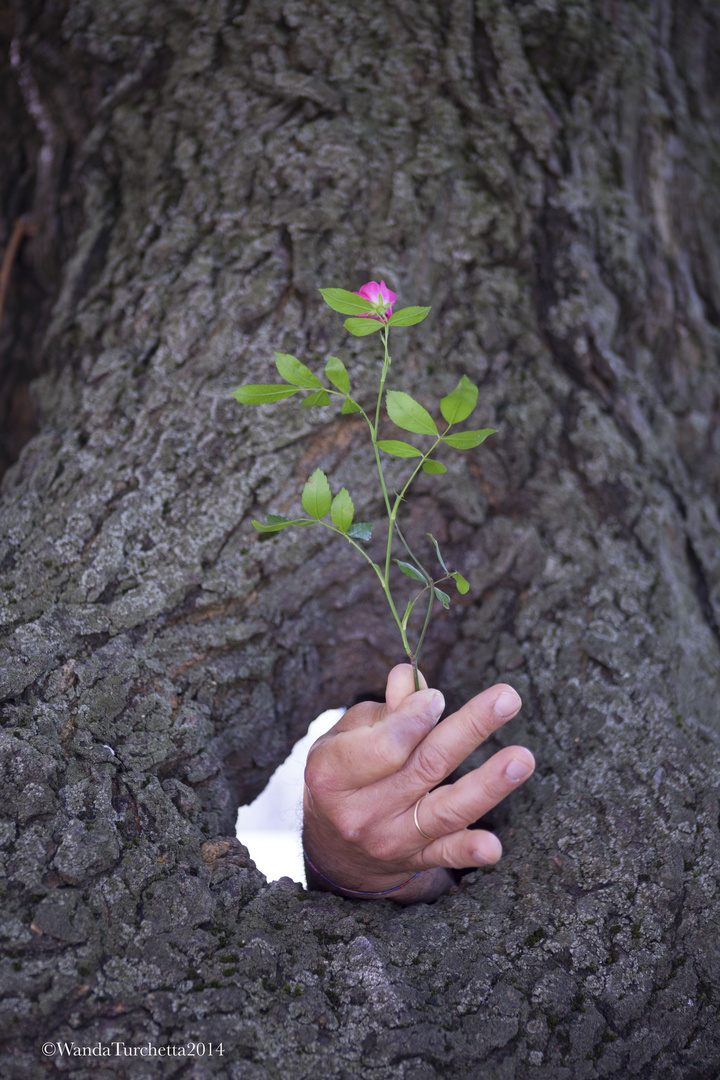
{"x": 417, "y": 823}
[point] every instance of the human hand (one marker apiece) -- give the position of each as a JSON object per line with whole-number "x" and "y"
{"x": 371, "y": 818}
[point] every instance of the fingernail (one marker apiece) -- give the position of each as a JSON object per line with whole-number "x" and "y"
{"x": 517, "y": 770}
{"x": 437, "y": 705}
{"x": 507, "y": 704}
{"x": 483, "y": 858}
{"x": 482, "y": 861}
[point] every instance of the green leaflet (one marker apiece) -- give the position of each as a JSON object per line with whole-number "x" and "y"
{"x": 465, "y": 440}
{"x": 430, "y": 466}
{"x": 408, "y": 316}
{"x": 342, "y": 510}
{"x": 462, "y": 585}
{"x": 458, "y": 405}
{"x": 442, "y": 597}
{"x": 320, "y": 397}
{"x": 362, "y": 327}
{"x": 316, "y": 497}
{"x": 362, "y": 530}
{"x": 411, "y": 571}
{"x": 399, "y": 449}
{"x": 437, "y": 548}
{"x": 337, "y": 374}
{"x": 347, "y": 303}
{"x": 294, "y": 372}
{"x": 262, "y": 394}
{"x": 276, "y": 522}
{"x": 409, "y": 414}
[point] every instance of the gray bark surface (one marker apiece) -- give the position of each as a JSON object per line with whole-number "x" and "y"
{"x": 544, "y": 174}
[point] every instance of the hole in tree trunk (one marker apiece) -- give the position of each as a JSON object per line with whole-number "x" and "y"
{"x": 270, "y": 826}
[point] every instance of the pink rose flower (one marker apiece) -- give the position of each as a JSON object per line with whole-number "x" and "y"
{"x": 377, "y": 294}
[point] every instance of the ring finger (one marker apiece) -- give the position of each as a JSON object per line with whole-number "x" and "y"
{"x": 451, "y": 808}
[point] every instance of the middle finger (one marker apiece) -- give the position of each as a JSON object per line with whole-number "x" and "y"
{"x": 448, "y": 744}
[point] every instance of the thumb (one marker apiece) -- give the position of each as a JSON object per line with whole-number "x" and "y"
{"x": 359, "y": 756}
{"x": 400, "y": 684}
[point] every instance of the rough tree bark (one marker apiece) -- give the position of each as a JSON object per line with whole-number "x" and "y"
{"x": 542, "y": 172}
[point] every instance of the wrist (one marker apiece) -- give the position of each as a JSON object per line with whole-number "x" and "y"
{"x": 318, "y": 880}
{"x": 344, "y": 880}
{"x": 330, "y": 870}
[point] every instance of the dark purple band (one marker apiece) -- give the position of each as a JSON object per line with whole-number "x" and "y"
{"x": 359, "y": 892}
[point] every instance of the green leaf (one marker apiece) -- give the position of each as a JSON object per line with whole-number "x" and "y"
{"x": 442, "y": 597}
{"x": 276, "y": 522}
{"x": 408, "y": 316}
{"x": 362, "y": 327}
{"x": 337, "y": 374}
{"x": 406, "y": 616}
{"x": 411, "y": 571}
{"x": 268, "y": 528}
{"x": 430, "y": 466}
{"x": 347, "y": 303}
{"x": 349, "y": 406}
{"x": 465, "y": 440}
{"x": 316, "y": 497}
{"x": 342, "y": 510}
{"x": 361, "y": 530}
{"x": 399, "y": 449}
{"x": 262, "y": 395}
{"x": 462, "y": 585}
{"x": 409, "y": 414}
{"x": 294, "y": 372}
{"x": 458, "y": 405}
{"x": 437, "y": 548}
{"x": 320, "y": 397}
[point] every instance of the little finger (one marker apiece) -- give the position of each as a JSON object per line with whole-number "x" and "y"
{"x": 460, "y": 850}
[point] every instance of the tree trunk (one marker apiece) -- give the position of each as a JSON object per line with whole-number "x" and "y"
{"x": 543, "y": 173}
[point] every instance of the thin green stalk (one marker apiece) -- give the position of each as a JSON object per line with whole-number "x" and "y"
{"x": 383, "y": 578}
{"x": 419, "y": 565}
{"x": 384, "y": 584}
{"x": 392, "y": 511}
{"x": 418, "y": 647}
{"x": 391, "y": 517}
{"x": 386, "y": 364}
{"x": 417, "y": 469}
{"x": 378, "y": 462}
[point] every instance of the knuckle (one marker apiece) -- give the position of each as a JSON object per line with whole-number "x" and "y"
{"x": 478, "y": 727}
{"x": 445, "y": 820}
{"x": 433, "y": 855}
{"x": 318, "y": 777}
{"x": 389, "y": 755}
{"x": 446, "y": 855}
{"x": 347, "y": 828}
{"x": 431, "y": 763}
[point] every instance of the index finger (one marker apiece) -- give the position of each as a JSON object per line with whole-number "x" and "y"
{"x": 448, "y": 744}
